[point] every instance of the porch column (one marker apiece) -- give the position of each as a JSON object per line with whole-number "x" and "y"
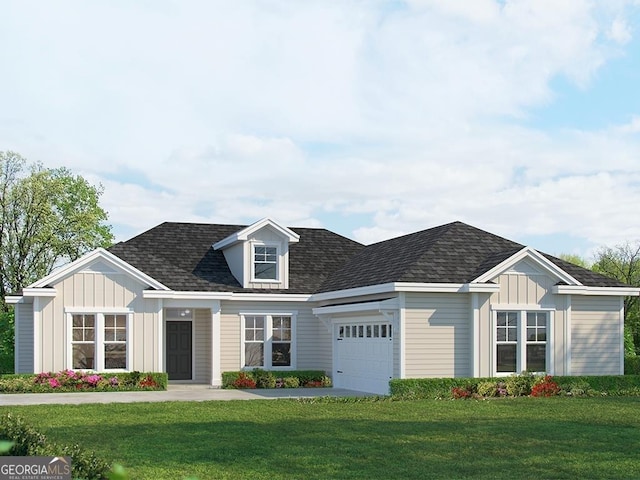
{"x": 216, "y": 374}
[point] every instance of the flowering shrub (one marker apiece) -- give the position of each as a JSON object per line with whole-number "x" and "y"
{"x": 546, "y": 387}
{"x": 460, "y": 392}
{"x": 70, "y": 381}
{"x": 243, "y": 381}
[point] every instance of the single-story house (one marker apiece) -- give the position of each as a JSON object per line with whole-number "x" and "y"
{"x": 196, "y": 300}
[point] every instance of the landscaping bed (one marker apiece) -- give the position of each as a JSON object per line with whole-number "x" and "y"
{"x": 514, "y": 386}
{"x": 79, "y": 381}
{"x": 258, "y": 378}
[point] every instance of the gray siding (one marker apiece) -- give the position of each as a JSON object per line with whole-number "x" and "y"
{"x": 313, "y": 339}
{"x": 437, "y": 335}
{"x": 595, "y": 336}
{"x": 202, "y": 348}
{"x": 24, "y": 332}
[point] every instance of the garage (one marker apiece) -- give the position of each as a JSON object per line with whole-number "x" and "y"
{"x": 363, "y": 356}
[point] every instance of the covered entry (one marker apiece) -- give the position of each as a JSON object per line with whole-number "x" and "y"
{"x": 363, "y": 355}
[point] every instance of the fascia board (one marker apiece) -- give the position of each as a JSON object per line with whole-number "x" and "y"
{"x": 255, "y": 297}
{"x": 13, "y": 299}
{"x": 273, "y": 297}
{"x": 39, "y": 292}
{"x": 357, "y": 307}
{"x": 99, "y": 253}
{"x": 538, "y": 259}
{"x": 604, "y": 291}
{"x": 179, "y": 295}
{"x": 405, "y": 287}
{"x": 244, "y": 234}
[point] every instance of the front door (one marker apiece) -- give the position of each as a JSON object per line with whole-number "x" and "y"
{"x": 179, "y": 354}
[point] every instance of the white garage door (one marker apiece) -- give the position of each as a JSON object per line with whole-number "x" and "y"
{"x": 363, "y": 356}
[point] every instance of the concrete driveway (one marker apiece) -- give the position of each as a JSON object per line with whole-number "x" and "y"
{"x": 180, "y": 393}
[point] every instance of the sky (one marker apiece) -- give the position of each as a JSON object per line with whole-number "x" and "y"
{"x": 370, "y": 118}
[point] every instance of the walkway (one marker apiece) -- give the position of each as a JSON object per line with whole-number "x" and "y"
{"x": 180, "y": 393}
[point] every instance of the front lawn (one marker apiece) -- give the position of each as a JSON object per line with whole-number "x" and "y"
{"x": 507, "y": 438}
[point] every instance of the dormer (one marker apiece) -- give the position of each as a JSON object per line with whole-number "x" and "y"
{"x": 258, "y": 255}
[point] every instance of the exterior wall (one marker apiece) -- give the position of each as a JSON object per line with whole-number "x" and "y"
{"x": 437, "y": 335}
{"x": 95, "y": 291}
{"x": 24, "y": 335}
{"x": 202, "y": 348}
{"x": 524, "y": 287}
{"x": 313, "y": 339}
{"x": 596, "y": 336}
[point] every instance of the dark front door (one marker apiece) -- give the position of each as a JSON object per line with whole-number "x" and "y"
{"x": 179, "y": 350}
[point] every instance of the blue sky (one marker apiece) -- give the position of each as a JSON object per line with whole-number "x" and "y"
{"x": 373, "y": 119}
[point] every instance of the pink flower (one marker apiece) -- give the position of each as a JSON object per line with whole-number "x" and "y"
{"x": 92, "y": 379}
{"x": 53, "y": 383}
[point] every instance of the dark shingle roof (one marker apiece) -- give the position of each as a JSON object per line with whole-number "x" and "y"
{"x": 451, "y": 253}
{"x": 181, "y": 256}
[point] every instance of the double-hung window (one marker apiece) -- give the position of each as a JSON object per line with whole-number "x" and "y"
{"x": 265, "y": 262}
{"x": 99, "y": 341}
{"x": 521, "y": 341}
{"x": 268, "y": 341}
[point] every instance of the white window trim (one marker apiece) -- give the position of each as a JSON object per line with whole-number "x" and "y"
{"x": 279, "y": 261}
{"x": 99, "y": 314}
{"x": 522, "y": 337}
{"x": 268, "y": 328}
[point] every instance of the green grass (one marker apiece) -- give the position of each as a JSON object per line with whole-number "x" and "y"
{"x": 508, "y": 438}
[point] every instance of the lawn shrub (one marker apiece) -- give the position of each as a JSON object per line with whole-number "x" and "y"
{"x": 277, "y": 378}
{"x": 244, "y": 381}
{"x": 27, "y": 441}
{"x": 264, "y": 378}
{"x": 545, "y": 387}
{"x": 519, "y": 385}
{"x": 434, "y": 388}
{"x": 74, "y": 381}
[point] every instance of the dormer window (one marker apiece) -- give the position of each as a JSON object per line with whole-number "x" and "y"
{"x": 258, "y": 255}
{"x": 265, "y": 262}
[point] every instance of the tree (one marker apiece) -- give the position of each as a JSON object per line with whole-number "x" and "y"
{"x": 47, "y": 217}
{"x": 623, "y": 263}
{"x": 575, "y": 259}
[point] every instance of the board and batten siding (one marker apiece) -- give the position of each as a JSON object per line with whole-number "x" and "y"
{"x": 437, "y": 335}
{"x": 596, "y": 337}
{"x": 313, "y": 339}
{"x": 523, "y": 287}
{"x": 93, "y": 291}
{"x": 24, "y": 334}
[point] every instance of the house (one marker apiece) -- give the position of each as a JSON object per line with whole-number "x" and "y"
{"x": 196, "y": 300}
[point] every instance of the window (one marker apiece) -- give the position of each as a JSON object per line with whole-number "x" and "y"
{"x": 84, "y": 341}
{"x": 521, "y": 341}
{"x": 265, "y": 262}
{"x": 268, "y": 341}
{"x": 115, "y": 341}
{"x": 98, "y": 341}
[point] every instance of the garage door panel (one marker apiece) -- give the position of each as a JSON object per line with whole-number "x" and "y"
{"x": 364, "y": 356}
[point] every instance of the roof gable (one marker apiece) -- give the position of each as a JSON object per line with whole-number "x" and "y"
{"x": 538, "y": 260}
{"x": 95, "y": 261}
{"x": 247, "y": 232}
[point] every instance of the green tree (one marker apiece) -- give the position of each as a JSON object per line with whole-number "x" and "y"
{"x": 623, "y": 263}
{"x": 575, "y": 259}
{"x": 47, "y": 217}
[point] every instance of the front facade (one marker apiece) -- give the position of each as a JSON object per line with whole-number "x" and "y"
{"x": 197, "y": 300}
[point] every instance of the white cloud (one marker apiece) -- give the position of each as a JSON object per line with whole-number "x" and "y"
{"x": 405, "y": 112}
